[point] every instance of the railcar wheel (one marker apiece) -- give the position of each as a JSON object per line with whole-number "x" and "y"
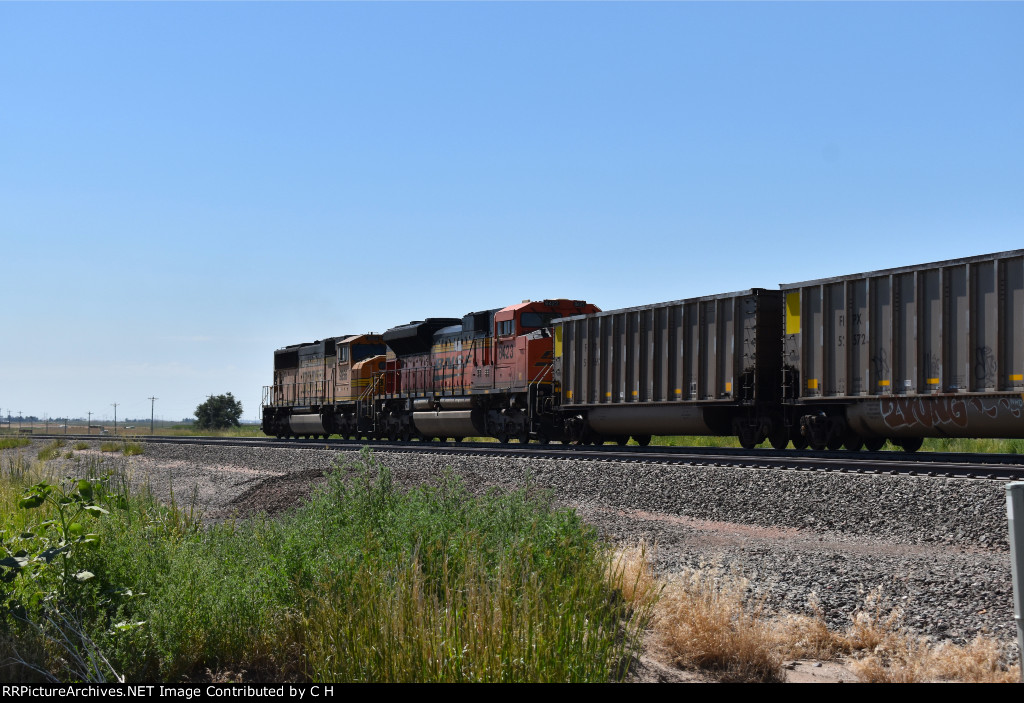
{"x": 779, "y": 440}
{"x": 854, "y": 443}
{"x": 834, "y": 443}
{"x": 543, "y": 438}
{"x": 523, "y": 437}
{"x": 799, "y": 441}
{"x": 746, "y": 441}
{"x": 502, "y": 437}
{"x": 456, "y": 439}
{"x": 874, "y": 444}
{"x": 622, "y": 441}
{"x": 911, "y": 444}
{"x": 642, "y": 439}
{"x": 405, "y": 436}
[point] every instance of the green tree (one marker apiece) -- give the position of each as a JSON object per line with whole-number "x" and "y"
{"x": 218, "y": 412}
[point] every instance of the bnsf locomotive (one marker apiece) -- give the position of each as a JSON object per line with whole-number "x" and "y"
{"x": 901, "y": 354}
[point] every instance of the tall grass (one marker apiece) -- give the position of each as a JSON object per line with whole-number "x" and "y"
{"x": 501, "y": 588}
{"x": 365, "y": 582}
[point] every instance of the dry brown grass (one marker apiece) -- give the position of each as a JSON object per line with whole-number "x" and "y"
{"x": 808, "y": 636}
{"x": 632, "y": 575}
{"x": 707, "y": 619}
{"x": 979, "y": 661}
{"x": 885, "y": 652}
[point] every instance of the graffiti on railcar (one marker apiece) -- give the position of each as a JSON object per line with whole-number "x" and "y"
{"x": 985, "y": 367}
{"x": 928, "y": 413}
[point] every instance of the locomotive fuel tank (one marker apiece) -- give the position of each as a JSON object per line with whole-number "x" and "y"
{"x": 307, "y": 424}
{"x": 449, "y": 423}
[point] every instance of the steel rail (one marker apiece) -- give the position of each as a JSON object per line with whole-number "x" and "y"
{"x": 948, "y": 465}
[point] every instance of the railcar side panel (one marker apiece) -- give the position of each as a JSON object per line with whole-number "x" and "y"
{"x": 697, "y": 366}
{"x": 923, "y": 351}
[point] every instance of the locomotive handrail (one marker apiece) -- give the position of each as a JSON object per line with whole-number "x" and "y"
{"x": 544, "y": 370}
{"x": 302, "y": 393}
{"x": 371, "y": 389}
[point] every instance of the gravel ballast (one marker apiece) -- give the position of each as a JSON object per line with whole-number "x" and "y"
{"x": 937, "y": 547}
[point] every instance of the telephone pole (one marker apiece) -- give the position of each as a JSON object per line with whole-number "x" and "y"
{"x": 88, "y": 424}
{"x": 152, "y": 404}
{"x": 115, "y": 416}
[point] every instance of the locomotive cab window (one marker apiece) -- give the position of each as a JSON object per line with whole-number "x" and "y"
{"x": 536, "y": 320}
{"x": 506, "y": 328}
{"x": 343, "y": 354}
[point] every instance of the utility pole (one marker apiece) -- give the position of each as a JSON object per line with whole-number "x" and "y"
{"x": 152, "y": 404}
{"x": 115, "y": 416}
{"x": 88, "y": 424}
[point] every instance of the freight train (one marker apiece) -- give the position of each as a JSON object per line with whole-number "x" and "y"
{"x": 901, "y": 354}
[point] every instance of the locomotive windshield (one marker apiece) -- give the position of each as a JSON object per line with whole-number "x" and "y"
{"x": 531, "y": 320}
{"x": 364, "y": 351}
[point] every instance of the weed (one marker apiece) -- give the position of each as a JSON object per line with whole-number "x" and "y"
{"x": 131, "y": 449}
{"x": 51, "y": 450}
{"x": 704, "y": 620}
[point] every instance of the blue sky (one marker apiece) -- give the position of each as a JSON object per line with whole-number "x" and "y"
{"x": 185, "y": 187}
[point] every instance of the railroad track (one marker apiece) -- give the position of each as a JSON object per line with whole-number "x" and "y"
{"x": 1001, "y": 467}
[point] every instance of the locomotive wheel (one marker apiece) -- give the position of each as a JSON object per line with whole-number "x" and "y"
{"x": 874, "y": 444}
{"x": 642, "y": 439}
{"x": 911, "y": 444}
